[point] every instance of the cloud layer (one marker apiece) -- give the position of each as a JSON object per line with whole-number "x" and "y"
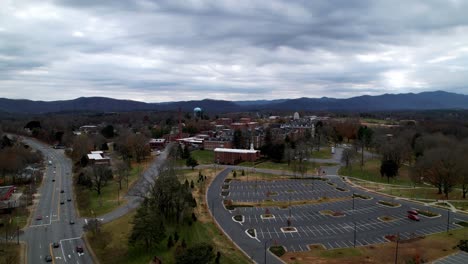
{"x": 171, "y": 50}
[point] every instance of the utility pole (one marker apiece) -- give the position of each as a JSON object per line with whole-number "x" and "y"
{"x": 265, "y": 249}
{"x": 396, "y": 249}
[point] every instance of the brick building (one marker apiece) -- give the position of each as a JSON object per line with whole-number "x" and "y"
{"x": 234, "y": 156}
{"x": 213, "y": 143}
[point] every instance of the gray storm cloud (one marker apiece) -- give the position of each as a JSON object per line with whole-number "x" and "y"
{"x": 181, "y": 50}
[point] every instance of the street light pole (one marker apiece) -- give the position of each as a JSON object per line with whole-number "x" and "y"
{"x": 354, "y": 234}
{"x": 118, "y": 194}
{"x": 448, "y": 219}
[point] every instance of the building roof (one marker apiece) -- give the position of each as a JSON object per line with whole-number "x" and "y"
{"x": 95, "y": 157}
{"x": 157, "y": 140}
{"x": 229, "y": 150}
{"x": 194, "y": 140}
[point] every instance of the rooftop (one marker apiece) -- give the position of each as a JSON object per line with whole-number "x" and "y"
{"x": 229, "y": 150}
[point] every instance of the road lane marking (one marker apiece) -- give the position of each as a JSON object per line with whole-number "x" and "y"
{"x": 51, "y": 253}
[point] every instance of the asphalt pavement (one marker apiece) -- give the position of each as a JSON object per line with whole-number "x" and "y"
{"x": 359, "y": 223}
{"x": 54, "y": 225}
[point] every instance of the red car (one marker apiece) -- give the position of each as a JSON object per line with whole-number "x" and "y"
{"x": 79, "y": 249}
{"x": 413, "y": 212}
{"x": 413, "y": 217}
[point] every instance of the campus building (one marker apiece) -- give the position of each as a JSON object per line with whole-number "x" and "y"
{"x": 98, "y": 158}
{"x": 234, "y": 156}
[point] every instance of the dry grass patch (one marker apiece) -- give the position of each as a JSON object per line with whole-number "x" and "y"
{"x": 286, "y": 204}
{"x": 429, "y": 248}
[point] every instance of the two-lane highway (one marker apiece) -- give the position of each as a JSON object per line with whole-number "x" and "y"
{"x": 54, "y": 219}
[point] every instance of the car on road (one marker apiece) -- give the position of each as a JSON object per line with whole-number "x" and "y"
{"x": 79, "y": 249}
{"x": 72, "y": 222}
{"x": 48, "y": 258}
{"x": 53, "y": 180}
{"x": 68, "y": 199}
{"x": 62, "y": 202}
{"x": 39, "y": 217}
{"x": 413, "y": 217}
{"x": 62, "y": 191}
{"x": 413, "y": 212}
{"x": 55, "y": 245}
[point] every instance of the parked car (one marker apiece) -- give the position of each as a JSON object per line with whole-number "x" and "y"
{"x": 413, "y": 212}
{"x": 39, "y": 217}
{"x": 79, "y": 249}
{"x": 413, "y": 217}
{"x": 48, "y": 258}
{"x": 55, "y": 245}
{"x": 68, "y": 199}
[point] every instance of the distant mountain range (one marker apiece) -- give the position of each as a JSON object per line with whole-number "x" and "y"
{"x": 385, "y": 102}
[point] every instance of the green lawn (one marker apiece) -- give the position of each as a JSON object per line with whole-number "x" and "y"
{"x": 89, "y": 201}
{"x": 371, "y": 172}
{"x": 112, "y": 245}
{"x": 203, "y": 156}
{"x": 283, "y": 166}
{"x": 461, "y": 205}
{"x": 424, "y": 193}
{"x": 324, "y": 153}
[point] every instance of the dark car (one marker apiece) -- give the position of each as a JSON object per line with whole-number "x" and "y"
{"x": 413, "y": 212}
{"x": 79, "y": 249}
{"x": 55, "y": 245}
{"x": 413, "y": 217}
{"x": 62, "y": 191}
{"x": 39, "y": 217}
{"x": 68, "y": 199}
{"x": 72, "y": 222}
{"x": 62, "y": 202}
{"x": 48, "y": 258}
{"x": 53, "y": 180}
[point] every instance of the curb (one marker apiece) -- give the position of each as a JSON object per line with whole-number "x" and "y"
{"x": 90, "y": 249}
{"x": 219, "y": 226}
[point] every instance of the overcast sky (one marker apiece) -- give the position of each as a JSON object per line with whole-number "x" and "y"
{"x": 173, "y": 50}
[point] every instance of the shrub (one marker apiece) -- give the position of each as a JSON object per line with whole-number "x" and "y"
{"x": 277, "y": 250}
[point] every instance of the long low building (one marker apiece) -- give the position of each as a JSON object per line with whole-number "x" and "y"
{"x": 235, "y": 156}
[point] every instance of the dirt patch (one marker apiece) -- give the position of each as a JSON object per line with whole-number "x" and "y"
{"x": 428, "y": 249}
{"x": 286, "y": 204}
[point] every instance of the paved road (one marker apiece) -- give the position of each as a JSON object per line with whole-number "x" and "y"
{"x": 140, "y": 188}
{"x": 253, "y": 248}
{"x": 55, "y": 224}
